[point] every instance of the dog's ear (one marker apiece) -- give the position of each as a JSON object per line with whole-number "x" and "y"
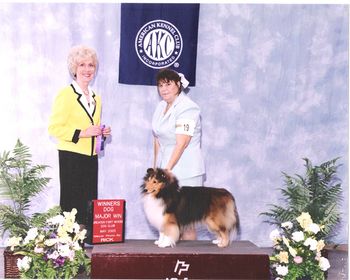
{"x": 150, "y": 171}
{"x": 170, "y": 177}
{"x": 161, "y": 173}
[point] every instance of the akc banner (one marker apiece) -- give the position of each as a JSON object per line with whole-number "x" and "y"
{"x": 155, "y": 36}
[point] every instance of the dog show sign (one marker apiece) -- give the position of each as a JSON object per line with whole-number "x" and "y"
{"x": 108, "y": 220}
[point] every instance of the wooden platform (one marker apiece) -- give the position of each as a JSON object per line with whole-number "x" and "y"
{"x": 141, "y": 259}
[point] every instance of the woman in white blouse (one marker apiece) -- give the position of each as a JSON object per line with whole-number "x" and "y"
{"x": 176, "y": 128}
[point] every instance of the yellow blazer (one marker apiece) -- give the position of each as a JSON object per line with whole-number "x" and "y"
{"x": 69, "y": 117}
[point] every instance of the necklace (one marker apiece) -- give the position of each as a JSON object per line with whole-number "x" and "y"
{"x": 87, "y": 96}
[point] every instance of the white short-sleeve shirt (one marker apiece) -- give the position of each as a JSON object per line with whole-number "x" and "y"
{"x": 183, "y": 117}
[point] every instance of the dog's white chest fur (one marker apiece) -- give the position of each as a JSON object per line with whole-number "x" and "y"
{"x": 154, "y": 210}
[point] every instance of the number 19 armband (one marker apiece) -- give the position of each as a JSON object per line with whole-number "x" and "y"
{"x": 185, "y": 126}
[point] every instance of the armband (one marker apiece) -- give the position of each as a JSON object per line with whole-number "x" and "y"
{"x": 185, "y": 126}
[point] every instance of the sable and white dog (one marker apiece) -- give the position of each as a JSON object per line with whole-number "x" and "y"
{"x": 170, "y": 208}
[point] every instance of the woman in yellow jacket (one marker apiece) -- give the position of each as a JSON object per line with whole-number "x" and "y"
{"x": 75, "y": 123}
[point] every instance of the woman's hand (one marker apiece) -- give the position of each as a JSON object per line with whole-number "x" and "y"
{"x": 93, "y": 130}
{"x": 155, "y": 151}
{"x": 106, "y": 131}
{"x": 182, "y": 142}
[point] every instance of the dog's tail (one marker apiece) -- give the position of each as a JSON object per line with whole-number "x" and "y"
{"x": 235, "y": 233}
{"x": 238, "y": 225}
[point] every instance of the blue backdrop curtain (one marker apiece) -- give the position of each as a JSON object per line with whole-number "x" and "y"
{"x": 271, "y": 81}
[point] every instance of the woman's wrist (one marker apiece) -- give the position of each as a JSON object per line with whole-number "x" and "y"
{"x": 82, "y": 134}
{"x": 168, "y": 167}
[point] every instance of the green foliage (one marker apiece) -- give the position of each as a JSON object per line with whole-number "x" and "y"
{"x": 311, "y": 270}
{"x": 39, "y": 219}
{"x": 20, "y": 182}
{"x": 318, "y": 192}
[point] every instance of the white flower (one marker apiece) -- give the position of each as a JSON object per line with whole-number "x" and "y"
{"x": 40, "y": 238}
{"x": 38, "y": 250}
{"x": 304, "y": 220}
{"x": 64, "y": 250}
{"x": 278, "y": 247}
{"x": 320, "y": 245}
{"x": 292, "y": 251}
{"x": 298, "y": 236}
{"x": 324, "y": 264}
{"x": 32, "y": 233}
{"x": 69, "y": 221}
{"x": 65, "y": 239}
{"x": 318, "y": 255}
{"x": 282, "y": 270}
{"x": 13, "y": 241}
{"x": 24, "y": 263}
{"x": 76, "y": 246}
{"x": 50, "y": 242}
{"x": 285, "y": 241}
{"x": 80, "y": 235}
{"x": 71, "y": 255}
{"x": 283, "y": 257}
{"x": 314, "y": 228}
{"x": 54, "y": 255}
{"x": 76, "y": 227}
{"x": 287, "y": 225}
{"x": 311, "y": 242}
{"x": 275, "y": 235}
{"x": 57, "y": 220}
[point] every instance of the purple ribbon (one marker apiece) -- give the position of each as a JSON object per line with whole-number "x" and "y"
{"x": 100, "y": 141}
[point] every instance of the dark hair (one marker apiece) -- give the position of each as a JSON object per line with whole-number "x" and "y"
{"x": 167, "y": 75}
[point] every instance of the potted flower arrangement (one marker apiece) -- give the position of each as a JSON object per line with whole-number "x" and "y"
{"x": 297, "y": 250}
{"x": 20, "y": 182}
{"x": 307, "y": 221}
{"x": 52, "y": 251}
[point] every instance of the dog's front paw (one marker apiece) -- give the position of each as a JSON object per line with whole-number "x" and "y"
{"x": 161, "y": 236}
{"x": 166, "y": 242}
{"x": 223, "y": 243}
{"x": 216, "y": 241}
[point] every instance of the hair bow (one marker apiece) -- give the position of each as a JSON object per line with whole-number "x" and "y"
{"x": 183, "y": 80}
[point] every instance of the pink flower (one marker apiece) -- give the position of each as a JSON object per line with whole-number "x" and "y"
{"x": 38, "y": 250}
{"x": 298, "y": 259}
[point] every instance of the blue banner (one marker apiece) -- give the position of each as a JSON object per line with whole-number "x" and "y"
{"x": 156, "y": 36}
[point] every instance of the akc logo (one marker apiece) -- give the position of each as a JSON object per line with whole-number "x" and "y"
{"x": 158, "y": 44}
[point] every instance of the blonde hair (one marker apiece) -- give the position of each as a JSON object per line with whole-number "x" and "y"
{"x": 77, "y": 54}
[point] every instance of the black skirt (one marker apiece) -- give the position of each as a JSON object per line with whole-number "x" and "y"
{"x": 78, "y": 181}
